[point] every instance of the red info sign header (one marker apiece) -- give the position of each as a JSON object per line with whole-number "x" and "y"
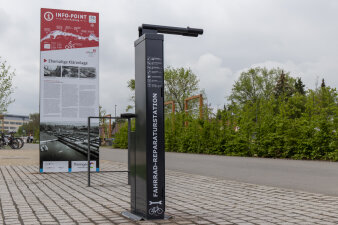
{"x": 64, "y": 29}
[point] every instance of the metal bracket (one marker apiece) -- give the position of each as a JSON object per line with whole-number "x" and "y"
{"x": 135, "y": 217}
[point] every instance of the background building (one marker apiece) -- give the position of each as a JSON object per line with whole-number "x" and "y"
{"x": 11, "y": 123}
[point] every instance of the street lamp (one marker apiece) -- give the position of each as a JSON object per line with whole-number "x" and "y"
{"x": 115, "y": 110}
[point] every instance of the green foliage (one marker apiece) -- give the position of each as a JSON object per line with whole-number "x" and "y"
{"x": 270, "y": 115}
{"x": 299, "y": 86}
{"x": 254, "y": 84}
{"x": 131, "y": 86}
{"x": 179, "y": 84}
{"x": 285, "y": 86}
{"x": 6, "y": 88}
{"x": 32, "y": 127}
{"x": 323, "y": 83}
{"x": 103, "y": 123}
{"x": 121, "y": 137}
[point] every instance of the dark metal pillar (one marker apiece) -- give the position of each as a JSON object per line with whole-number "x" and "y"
{"x": 129, "y": 149}
{"x": 148, "y": 184}
{"x": 149, "y": 78}
{"x": 132, "y": 169}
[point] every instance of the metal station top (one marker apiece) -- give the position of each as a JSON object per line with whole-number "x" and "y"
{"x": 127, "y": 115}
{"x": 149, "y": 28}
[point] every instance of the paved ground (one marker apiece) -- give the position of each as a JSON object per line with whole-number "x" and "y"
{"x": 311, "y": 176}
{"x": 28, "y": 155}
{"x": 27, "y": 197}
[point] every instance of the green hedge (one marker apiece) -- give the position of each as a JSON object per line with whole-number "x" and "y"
{"x": 299, "y": 127}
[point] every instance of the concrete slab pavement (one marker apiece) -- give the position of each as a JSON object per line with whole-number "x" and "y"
{"x": 28, "y": 197}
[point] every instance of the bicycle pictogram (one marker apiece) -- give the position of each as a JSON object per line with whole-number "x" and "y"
{"x": 155, "y": 210}
{"x": 70, "y": 45}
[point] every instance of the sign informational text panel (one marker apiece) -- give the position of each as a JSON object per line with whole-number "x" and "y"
{"x": 69, "y": 88}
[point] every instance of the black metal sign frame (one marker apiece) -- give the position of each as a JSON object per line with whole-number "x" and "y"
{"x": 88, "y": 153}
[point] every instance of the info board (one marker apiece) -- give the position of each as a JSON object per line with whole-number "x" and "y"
{"x": 69, "y": 90}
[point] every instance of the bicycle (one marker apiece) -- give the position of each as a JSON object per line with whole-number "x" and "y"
{"x": 9, "y": 140}
{"x": 20, "y": 140}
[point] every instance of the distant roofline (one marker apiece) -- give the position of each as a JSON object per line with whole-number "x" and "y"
{"x": 14, "y": 115}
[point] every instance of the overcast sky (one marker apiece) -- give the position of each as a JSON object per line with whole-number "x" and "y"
{"x": 298, "y": 36}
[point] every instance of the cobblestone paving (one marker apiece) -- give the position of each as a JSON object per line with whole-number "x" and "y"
{"x": 27, "y": 197}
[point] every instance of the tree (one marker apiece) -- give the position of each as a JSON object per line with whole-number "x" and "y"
{"x": 33, "y": 126}
{"x": 254, "y": 84}
{"x": 179, "y": 84}
{"x": 284, "y": 86}
{"x": 131, "y": 86}
{"x": 6, "y": 88}
{"x": 103, "y": 122}
{"x": 299, "y": 86}
{"x": 323, "y": 85}
{"x": 260, "y": 122}
{"x": 102, "y": 111}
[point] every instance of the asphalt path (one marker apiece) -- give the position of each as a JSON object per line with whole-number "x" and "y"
{"x": 311, "y": 176}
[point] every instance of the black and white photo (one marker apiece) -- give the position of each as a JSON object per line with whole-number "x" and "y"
{"x": 51, "y": 71}
{"x": 70, "y": 71}
{"x": 87, "y": 72}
